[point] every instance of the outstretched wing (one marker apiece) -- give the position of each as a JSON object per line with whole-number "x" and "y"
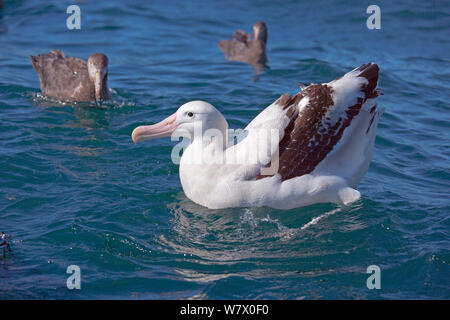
{"x": 309, "y": 125}
{"x": 324, "y": 112}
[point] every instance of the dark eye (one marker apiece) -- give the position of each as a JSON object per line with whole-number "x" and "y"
{"x": 190, "y": 114}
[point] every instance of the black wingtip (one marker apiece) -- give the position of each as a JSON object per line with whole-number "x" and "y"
{"x": 369, "y": 71}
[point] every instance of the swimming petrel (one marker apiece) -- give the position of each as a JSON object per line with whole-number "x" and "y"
{"x": 73, "y": 79}
{"x": 241, "y": 48}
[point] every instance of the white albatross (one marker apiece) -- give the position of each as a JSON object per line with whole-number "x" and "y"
{"x": 323, "y": 147}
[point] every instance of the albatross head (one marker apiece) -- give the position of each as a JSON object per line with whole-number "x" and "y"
{"x": 98, "y": 70}
{"x": 189, "y": 117}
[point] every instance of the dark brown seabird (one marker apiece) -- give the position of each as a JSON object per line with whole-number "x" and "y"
{"x": 243, "y": 49}
{"x": 73, "y": 79}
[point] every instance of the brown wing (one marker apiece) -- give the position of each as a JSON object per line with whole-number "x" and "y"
{"x": 320, "y": 122}
{"x": 63, "y": 78}
{"x": 237, "y": 47}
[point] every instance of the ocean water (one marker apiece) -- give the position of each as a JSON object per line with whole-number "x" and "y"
{"x": 75, "y": 190}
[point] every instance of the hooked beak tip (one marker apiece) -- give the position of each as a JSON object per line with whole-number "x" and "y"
{"x": 133, "y": 137}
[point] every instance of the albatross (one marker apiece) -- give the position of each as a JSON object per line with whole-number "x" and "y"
{"x": 323, "y": 142}
{"x": 73, "y": 79}
{"x": 244, "y": 49}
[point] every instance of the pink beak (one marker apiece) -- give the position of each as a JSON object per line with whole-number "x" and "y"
{"x": 161, "y": 129}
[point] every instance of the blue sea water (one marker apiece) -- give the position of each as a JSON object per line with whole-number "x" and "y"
{"x": 75, "y": 190}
